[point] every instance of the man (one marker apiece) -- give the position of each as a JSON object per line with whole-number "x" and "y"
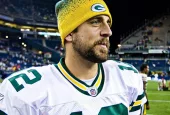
{"x": 144, "y": 72}
{"x": 168, "y": 79}
{"x": 83, "y": 82}
{"x": 162, "y": 81}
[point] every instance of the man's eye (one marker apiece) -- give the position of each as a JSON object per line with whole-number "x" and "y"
{"x": 95, "y": 22}
{"x": 109, "y": 23}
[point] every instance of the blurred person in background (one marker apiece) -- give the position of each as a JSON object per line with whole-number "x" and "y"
{"x": 162, "y": 79}
{"x": 168, "y": 79}
{"x": 144, "y": 70}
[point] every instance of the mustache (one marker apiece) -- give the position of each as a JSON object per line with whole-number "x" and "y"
{"x": 103, "y": 42}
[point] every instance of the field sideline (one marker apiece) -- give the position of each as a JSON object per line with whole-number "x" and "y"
{"x": 159, "y": 100}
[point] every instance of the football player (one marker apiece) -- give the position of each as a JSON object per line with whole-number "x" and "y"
{"x": 144, "y": 69}
{"x": 84, "y": 82}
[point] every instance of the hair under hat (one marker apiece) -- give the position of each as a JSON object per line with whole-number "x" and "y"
{"x": 72, "y": 13}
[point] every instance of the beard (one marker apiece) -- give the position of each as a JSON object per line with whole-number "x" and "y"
{"x": 92, "y": 52}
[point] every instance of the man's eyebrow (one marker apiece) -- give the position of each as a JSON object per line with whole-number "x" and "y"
{"x": 98, "y": 17}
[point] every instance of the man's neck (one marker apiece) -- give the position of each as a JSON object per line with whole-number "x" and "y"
{"x": 81, "y": 68}
{"x": 143, "y": 72}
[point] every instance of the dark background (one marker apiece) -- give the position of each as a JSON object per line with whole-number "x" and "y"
{"x": 128, "y": 15}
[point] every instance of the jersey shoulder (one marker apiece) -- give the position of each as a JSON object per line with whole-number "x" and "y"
{"x": 144, "y": 76}
{"x": 121, "y": 65}
{"x": 27, "y": 84}
{"x": 127, "y": 72}
{"x": 29, "y": 76}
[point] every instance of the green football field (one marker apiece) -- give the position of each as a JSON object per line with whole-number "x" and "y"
{"x": 159, "y": 100}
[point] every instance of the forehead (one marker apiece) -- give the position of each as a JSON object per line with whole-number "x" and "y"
{"x": 104, "y": 17}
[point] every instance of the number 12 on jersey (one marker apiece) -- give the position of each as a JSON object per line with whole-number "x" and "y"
{"x": 25, "y": 77}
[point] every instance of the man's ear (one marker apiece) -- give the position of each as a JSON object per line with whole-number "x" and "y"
{"x": 69, "y": 37}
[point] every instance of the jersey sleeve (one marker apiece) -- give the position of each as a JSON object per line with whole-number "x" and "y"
{"x": 18, "y": 93}
{"x": 133, "y": 80}
{"x": 138, "y": 97}
{"x": 11, "y": 104}
{"x": 144, "y": 77}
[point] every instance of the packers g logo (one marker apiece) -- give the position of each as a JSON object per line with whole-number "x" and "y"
{"x": 98, "y": 8}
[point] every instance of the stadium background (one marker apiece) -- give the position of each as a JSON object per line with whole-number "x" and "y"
{"x": 29, "y": 37}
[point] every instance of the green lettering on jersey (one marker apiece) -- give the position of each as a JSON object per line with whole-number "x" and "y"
{"x": 77, "y": 113}
{"x": 127, "y": 68}
{"x": 27, "y": 80}
{"x": 118, "y": 109}
{"x": 2, "y": 113}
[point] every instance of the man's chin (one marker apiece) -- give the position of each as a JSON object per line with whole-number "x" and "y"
{"x": 100, "y": 58}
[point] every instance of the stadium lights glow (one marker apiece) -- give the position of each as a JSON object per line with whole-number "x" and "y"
{"x": 19, "y": 37}
{"x": 49, "y": 33}
{"x": 27, "y": 29}
{"x": 24, "y": 29}
{"x": 46, "y": 36}
{"x": 1, "y": 22}
{"x": 10, "y": 25}
{"x": 23, "y": 43}
{"x": 40, "y": 52}
{"x": 6, "y": 36}
{"x": 119, "y": 45}
{"x": 50, "y": 29}
{"x": 41, "y": 28}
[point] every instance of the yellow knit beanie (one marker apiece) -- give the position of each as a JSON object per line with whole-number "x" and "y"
{"x": 72, "y": 13}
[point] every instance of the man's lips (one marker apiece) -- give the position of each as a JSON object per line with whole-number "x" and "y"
{"x": 102, "y": 45}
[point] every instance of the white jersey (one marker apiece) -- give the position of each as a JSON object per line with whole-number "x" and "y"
{"x": 53, "y": 90}
{"x": 144, "y": 77}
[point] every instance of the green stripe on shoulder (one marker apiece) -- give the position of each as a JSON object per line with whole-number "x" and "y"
{"x": 140, "y": 96}
{"x": 2, "y": 113}
{"x": 135, "y": 108}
